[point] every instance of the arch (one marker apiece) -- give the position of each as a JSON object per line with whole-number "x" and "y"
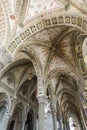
{"x": 79, "y": 5}
{"x": 33, "y": 59}
{"x": 74, "y": 119}
{"x": 70, "y": 104}
{"x": 17, "y": 117}
{"x": 79, "y": 57}
{"x": 58, "y": 73}
{"x": 71, "y": 108}
{"x": 29, "y": 124}
{"x": 68, "y": 95}
{"x": 14, "y": 64}
{"x": 5, "y": 106}
{"x": 74, "y": 20}
{"x": 66, "y": 91}
{"x": 84, "y": 52}
{"x": 37, "y": 65}
{"x": 19, "y": 106}
{"x": 23, "y": 81}
{"x": 6, "y": 98}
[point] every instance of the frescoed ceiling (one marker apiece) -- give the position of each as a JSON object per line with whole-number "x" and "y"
{"x": 53, "y": 49}
{"x": 48, "y": 34}
{"x": 80, "y": 2}
{"x": 46, "y": 54}
{"x": 45, "y": 30}
{"x": 52, "y": 33}
{"x": 12, "y": 5}
{"x": 39, "y": 7}
{"x": 83, "y": 2}
{"x": 2, "y": 25}
{"x": 14, "y": 14}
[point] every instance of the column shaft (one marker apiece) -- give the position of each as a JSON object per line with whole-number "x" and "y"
{"x": 54, "y": 120}
{"x": 5, "y": 122}
{"x": 23, "y": 125}
{"x": 41, "y": 113}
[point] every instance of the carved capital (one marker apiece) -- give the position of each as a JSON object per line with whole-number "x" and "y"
{"x": 8, "y": 115}
{"x": 41, "y": 99}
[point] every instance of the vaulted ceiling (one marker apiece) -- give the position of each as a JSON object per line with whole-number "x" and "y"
{"x": 14, "y": 13}
{"x": 41, "y": 45}
{"x": 50, "y": 38}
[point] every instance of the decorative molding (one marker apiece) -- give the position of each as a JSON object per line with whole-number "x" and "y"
{"x": 73, "y": 20}
{"x": 79, "y": 56}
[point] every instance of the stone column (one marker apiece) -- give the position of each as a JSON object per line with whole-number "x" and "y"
{"x": 61, "y": 124}
{"x": 53, "y": 110}
{"x": 23, "y": 124}
{"x": 34, "y": 125}
{"x": 41, "y": 113}
{"x": 5, "y": 121}
{"x": 65, "y": 124}
{"x": 54, "y": 119}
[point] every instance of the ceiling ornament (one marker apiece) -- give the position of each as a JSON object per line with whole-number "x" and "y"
{"x": 21, "y": 25}
{"x": 12, "y": 17}
{"x": 67, "y": 6}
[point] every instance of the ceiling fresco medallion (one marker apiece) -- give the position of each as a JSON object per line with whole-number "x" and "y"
{"x": 13, "y": 17}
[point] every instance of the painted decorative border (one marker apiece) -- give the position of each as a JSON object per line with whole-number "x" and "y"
{"x": 31, "y": 29}
{"x": 79, "y": 55}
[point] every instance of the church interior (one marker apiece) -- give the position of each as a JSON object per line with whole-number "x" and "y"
{"x": 43, "y": 65}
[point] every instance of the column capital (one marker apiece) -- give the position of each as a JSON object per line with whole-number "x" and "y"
{"x": 41, "y": 99}
{"x": 8, "y": 114}
{"x": 54, "y": 113}
{"x": 24, "y": 119}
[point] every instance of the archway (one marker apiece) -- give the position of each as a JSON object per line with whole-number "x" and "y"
{"x": 18, "y": 119}
{"x": 4, "y": 109}
{"x": 66, "y": 91}
{"x": 15, "y": 122}
{"x": 29, "y": 125}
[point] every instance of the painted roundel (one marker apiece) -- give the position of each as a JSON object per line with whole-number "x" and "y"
{"x": 12, "y": 17}
{"x": 21, "y": 25}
